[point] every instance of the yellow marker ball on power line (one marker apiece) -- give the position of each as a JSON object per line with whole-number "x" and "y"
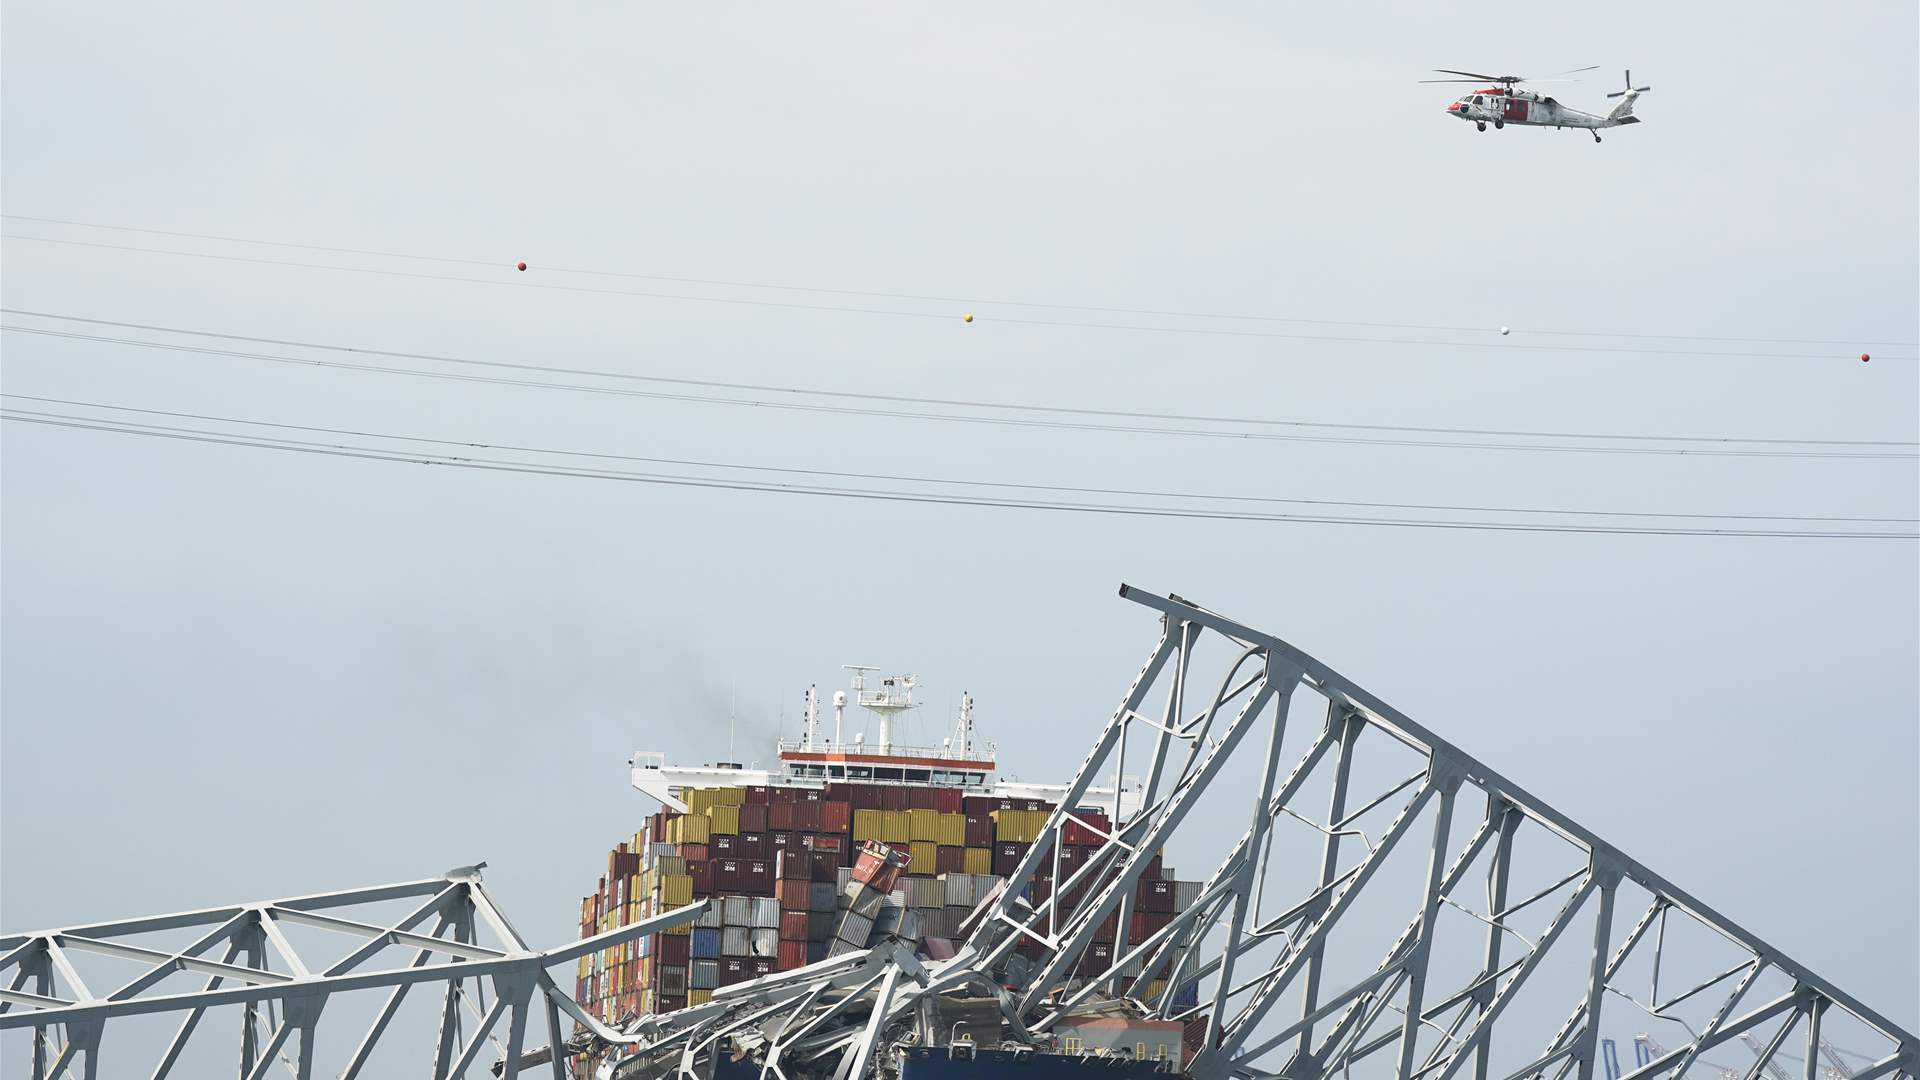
{"x": 968, "y": 317}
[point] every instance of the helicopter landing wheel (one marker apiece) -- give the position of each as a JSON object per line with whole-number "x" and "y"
{"x": 1596, "y": 136}
{"x": 1481, "y": 124}
{"x": 1499, "y": 124}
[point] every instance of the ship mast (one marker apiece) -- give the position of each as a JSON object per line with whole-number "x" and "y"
{"x": 894, "y": 696}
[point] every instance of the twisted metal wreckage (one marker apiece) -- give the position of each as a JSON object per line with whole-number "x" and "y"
{"x": 846, "y": 1016}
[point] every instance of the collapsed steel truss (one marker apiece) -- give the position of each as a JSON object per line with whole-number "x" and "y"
{"x": 1245, "y": 954}
{"x": 266, "y": 975}
{"x": 1258, "y": 967}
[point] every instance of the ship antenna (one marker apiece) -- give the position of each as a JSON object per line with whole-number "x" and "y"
{"x": 813, "y": 715}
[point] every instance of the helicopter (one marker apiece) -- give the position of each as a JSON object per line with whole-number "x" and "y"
{"x": 1504, "y": 103}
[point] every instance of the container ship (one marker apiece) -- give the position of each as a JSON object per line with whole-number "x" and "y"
{"x": 838, "y": 847}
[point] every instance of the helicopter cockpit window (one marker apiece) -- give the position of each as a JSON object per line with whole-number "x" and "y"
{"x": 1477, "y": 100}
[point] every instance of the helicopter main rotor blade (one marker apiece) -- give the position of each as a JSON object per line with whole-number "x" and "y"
{"x": 1573, "y": 71}
{"x": 1475, "y": 82}
{"x": 1469, "y": 74}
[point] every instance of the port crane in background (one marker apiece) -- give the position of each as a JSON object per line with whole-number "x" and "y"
{"x": 1251, "y": 959}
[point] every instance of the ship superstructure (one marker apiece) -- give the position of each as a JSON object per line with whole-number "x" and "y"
{"x": 840, "y": 845}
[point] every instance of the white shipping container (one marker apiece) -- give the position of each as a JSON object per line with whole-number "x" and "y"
{"x": 710, "y": 918}
{"x": 764, "y": 942}
{"x": 842, "y": 876}
{"x": 854, "y": 929}
{"x": 1185, "y": 894}
{"x": 766, "y": 914}
{"x": 738, "y": 911}
{"x": 734, "y": 942}
{"x": 704, "y": 975}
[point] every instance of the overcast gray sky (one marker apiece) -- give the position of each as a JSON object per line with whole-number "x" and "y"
{"x": 234, "y": 673}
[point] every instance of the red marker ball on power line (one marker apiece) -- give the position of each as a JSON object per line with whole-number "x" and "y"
{"x": 1864, "y": 358}
{"x": 521, "y": 266}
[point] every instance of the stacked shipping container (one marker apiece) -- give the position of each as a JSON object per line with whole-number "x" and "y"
{"x": 798, "y": 874}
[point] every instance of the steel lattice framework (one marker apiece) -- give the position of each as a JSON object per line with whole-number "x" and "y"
{"x": 1439, "y": 1001}
{"x": 282, "y": 998}
{"x": 1258, "y": 966}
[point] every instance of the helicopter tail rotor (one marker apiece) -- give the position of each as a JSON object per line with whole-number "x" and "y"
{"x": 1631, "y": 89}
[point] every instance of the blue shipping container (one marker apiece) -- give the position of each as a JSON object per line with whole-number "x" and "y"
{"x": 706, "y": 943}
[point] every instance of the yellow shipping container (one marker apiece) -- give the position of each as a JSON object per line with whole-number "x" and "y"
{"x": 952, "y": 830}
{"x": 698, "y": 997}
{"x": 868, "y": 824}
{"x": 979, "y": 860}
{"x": 1018, "y": 826}
{"x": 726, "y": 819}
{"x": 676, "y": 890}
{"x": 922, "y": 857}
{"x": 690, "y": 829}
{"x": 923, "y": 825}
{"x": 899, "y": 827}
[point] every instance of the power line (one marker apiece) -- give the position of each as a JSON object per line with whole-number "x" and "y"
{"x": 1003, "y": 421}
{"x": 936, "y": 298}
{"x": 897, "y": 478}
{"x": 507, "y": 466}
{"x": 791, "y": 305}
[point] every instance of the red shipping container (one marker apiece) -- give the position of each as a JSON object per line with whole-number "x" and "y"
{"x": 836, "y": 817}
{"x": 670, "y": 949}
{"x": 1076, "y": 833}
{"x": 866, "y": 797}
{"x": 734, "y": 969}
{"x": 1156, "y": 896}
{"x": 754, "y": 846}
{"x": 761, "y": 965}
{"x": 670, "y": 1003}
{"x": 947, "y": 800}
{"x": 893, "y": 798}
{"x": 753, "y": 816}
{"x": 723, "y": 846}
{"x": 779, "y": 842}
{"x": 1007, "y": 856}
{"x": 1097, "y": 958}
{"x": 794, "y": 894}
{"x": 811, "y": 794}
{"x": 695, "y": 852}
{"x": 758, "y": 795}
{"x": 1146, "y": 924}
{"x": 781, "y": 815}
{"x": 950, "y": 860}
{"x": 785, "y": 795}
{"x": 726, "y": 876}
{"x": 806, "y": 815}
{"x": 1034, "y": 804}
{"x": 977, "y": 804}
{"x": 702, "y": 874}
{"x": 756, "y": 878}
{"x": 1152, "y": 872}
{"x": 919, "y": 798}
{"x": 793, "y": 924}
{"x": 793, "y": 954}
{"x": 979, "y": 830}
{"x": 826, "y": 842}
{"x": 1069, "y": 861}
{"x": 793, "y": 865}
{"x": 826, "y": 866}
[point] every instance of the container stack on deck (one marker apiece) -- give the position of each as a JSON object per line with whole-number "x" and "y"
{"x": 799, "y": 874}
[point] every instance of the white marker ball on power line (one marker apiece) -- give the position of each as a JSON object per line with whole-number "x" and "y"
{"x": 1505, "y": 330}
